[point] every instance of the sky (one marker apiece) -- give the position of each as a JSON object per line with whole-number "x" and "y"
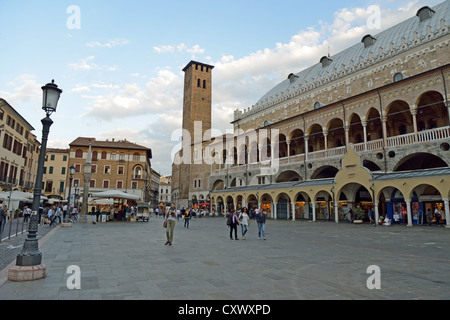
{"x": 119, "y": 63}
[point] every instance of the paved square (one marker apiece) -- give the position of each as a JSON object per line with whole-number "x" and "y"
{"x": 299, "y": 260}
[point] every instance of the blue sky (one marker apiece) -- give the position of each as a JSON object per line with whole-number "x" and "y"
{"x": 121, "y": 69}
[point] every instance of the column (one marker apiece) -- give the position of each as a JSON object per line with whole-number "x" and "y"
{"x": 306, "y": 147}
{"x": 364, "y": 124}
{"x": 293, "y": 210}
{"x": 414, "y": 114}
{"x": 313, "y": 204}
{"x": 288, "y": 143}
{"x": 408, "y": 212}
{"x": 274, "y": 210}
{"x": 325, "y": 134}
{"x": 383, "y": 121}
{"x": 336, "y": 212}
{"x": 447, "y": 213}
{"x": 347, "y": 129}
{"x": 377, "y": 214}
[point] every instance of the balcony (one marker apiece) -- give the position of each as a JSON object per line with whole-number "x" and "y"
{"x": 405, "y": 139}
{"x": 431, "y": 135}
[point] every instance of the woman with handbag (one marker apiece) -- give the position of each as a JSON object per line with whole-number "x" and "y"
{"x": 234, "y": 222}
{"x": 171, "y": 217}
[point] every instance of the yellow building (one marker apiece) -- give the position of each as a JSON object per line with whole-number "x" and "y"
{"x": 365, "y": 129}
{"x": 56, "y": 169}
{"x": 17, "y": 170}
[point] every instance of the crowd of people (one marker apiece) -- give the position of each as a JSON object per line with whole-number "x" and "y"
{"x": 233, "y": 220}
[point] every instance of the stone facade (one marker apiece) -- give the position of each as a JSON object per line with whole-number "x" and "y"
{"x": 120, "y": 165}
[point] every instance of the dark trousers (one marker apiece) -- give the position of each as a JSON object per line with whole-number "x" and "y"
{"x": 233, "y": 226}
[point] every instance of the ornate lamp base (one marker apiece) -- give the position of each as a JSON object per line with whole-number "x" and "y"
{"x": 27, "y": 273}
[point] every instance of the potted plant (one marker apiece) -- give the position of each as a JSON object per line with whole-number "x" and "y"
{"x": 360, "y": 215}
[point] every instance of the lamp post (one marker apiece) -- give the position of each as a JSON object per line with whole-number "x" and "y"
{"x": 28, "y": 261}
{"x": 67, "y": 222}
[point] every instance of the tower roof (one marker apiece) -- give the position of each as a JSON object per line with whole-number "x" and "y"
{"x": 196, "y": 62}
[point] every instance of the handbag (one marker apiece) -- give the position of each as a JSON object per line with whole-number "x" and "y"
{"x": 165, "y": 224}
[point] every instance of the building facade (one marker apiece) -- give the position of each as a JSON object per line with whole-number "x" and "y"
{"x": 116, "y": 164}
{"x": 56, "y": 168}
{"x": 16, "y": 162}
{"x": 165, "y": 190}
{"x": 365, "y": 129}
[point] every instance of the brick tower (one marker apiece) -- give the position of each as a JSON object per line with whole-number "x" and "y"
{"x": 194, "y": 174}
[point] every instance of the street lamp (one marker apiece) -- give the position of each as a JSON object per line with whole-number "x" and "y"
{"x": 66, "y": 217}
{"x": 28, "y": 261}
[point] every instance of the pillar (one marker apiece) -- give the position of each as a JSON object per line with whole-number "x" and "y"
{"x": 447, "y": 213}
{"x": 377, "y": 214}
{"x": 347, "y": 129}
{"x": 274, "y": 209}
{"x": 313, "y": 204}
{"x": 293, "y": 210}
{"x": 364, "y": 124}
{"x": 325, "y": 135}
{"x": 384, "y": 121}
{"x": 336, "y": 211}
{"x": 288, "y": 143}
{"x": 408, "y": 212}
{"x": 306, "y": 146}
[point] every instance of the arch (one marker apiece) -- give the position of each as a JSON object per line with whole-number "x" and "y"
{"x": 355, "y": 132}
{"x": 374, "y": 125}
{"x": 399, "y": 118}
{"x": 266, "y": 202}
{"x": 323, "y": 205}
{"x": 218, "y": 185}
{"x": 288, "y": 176}
{"x": 356, "y": 197}
{"x": 229, "y": 201}
{"x": 138, "y": 172}
{"x": 431, "y": 111}
{"x": 252, "y": 201}
{"x": 254, "y": 152}
{"x": 425, "y": 200}
{"x": 239, "y": 199}
{"x": 325, "y": 172}
{"x": 283, "y": 205}
{"x": 297, "y": 142}
{"x": 302, "y": 206}
{"x": 220, "y": 204}
{"x": 79, "y": 153}
{"x": 282, "y": 146}
{"x": 265, "y": 150}
{"x": 420, "y": 160}
{"x": 316, "y": 138}
{"x": 372, "y": 166}
{"x": 336, "y": 133}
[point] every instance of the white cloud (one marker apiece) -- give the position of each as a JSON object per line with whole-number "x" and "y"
{"x": 87, "y": 64}
{"x": 108, "y": 44}
{"x": 84, "y": 64}
{"x": 180, "y": 48}
{"x": 26, "y": 89}
{"x": 161, "y": 94}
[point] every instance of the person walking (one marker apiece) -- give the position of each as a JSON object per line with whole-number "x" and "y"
{"x": 261, "y": 221}
{"x": 187, "y": 217}
{"x": 234, "y": 222}
{"x": 3, "y": 213}
{"x": 171, "y": 217}
{"x": 245, "y": 222}
{"x": 26, "y": 214}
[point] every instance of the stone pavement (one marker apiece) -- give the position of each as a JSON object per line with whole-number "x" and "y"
{"x": 299, "y": 260}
